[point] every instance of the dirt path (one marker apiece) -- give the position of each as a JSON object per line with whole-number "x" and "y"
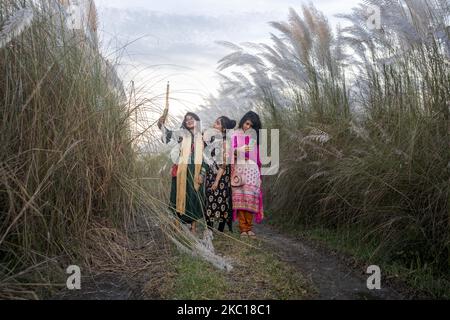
{"x": 332, "y": 278}
{"x": 325, "y": 270}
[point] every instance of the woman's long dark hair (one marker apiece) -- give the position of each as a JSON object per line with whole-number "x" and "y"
{"x": 255, "y": 119}
{"x": 227, "y": 123}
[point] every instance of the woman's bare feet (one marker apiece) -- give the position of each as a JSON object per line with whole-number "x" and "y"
{"x": 251, "y": 234}
{"x": 194, "y": 228}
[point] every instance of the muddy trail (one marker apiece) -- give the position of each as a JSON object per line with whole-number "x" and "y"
{"x": 332, "y": 278}
{"x": 326, "y": 271}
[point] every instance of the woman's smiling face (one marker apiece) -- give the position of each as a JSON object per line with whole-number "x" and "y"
{"x": 218, "y": 125}
{"x": 190, "y": 122}
{"x": 247, "y": 125}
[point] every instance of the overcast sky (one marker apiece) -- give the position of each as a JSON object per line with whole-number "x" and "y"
{"x": 175, "y": 40}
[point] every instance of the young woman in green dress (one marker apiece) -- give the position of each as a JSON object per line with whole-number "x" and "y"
{"x": 188, "y": 171}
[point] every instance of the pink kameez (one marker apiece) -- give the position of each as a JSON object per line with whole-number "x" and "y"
{"x": 247, "y": 197}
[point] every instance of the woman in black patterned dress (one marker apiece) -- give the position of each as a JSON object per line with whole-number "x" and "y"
{"x": 218, "y": 184}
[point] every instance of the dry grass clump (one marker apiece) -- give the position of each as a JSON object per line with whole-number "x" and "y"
{"x": 67, "y": 158}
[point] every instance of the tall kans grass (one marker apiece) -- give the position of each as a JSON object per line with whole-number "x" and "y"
{"x": 74, "y": 188}
{"x": 64, "y": 145}
{"x": 364, "y": 119}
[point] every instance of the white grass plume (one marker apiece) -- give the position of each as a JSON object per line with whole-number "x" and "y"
{"x": 15, "y": 25}
{"x": 200, "y": 248}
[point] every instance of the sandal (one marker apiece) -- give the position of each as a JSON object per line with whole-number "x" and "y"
{"x": 244, "y": 235}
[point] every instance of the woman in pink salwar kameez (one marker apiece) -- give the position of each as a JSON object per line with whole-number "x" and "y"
{"x": 246, "y": 175}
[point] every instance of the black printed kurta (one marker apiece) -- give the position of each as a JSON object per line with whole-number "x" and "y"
{"x": 218, "y": 202}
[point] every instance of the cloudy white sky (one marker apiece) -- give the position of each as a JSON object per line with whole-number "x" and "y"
{"x": 175, "y": 40}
